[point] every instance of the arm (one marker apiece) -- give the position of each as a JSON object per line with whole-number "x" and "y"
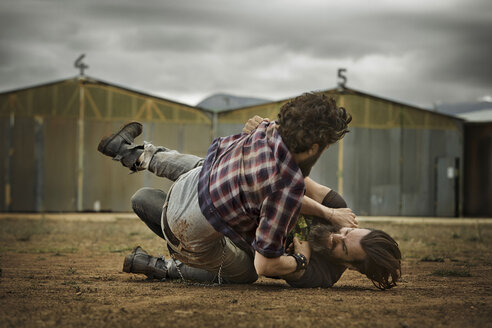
{"x": 314, "y": 208}
{"x": 315, "y": 190}
{"x": 343, "y": 217}
{"x": 284, "y": 266}
{"x": 303, "y": 248}
{"x": 276, "y": 266}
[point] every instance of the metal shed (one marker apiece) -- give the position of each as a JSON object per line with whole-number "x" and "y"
{"x": 397, "y": 160}
{"x": 50, "y": 137}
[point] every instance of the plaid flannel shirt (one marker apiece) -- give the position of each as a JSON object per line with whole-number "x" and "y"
{"x": 251, "y": 190}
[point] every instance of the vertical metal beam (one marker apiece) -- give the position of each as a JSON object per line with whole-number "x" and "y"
{"x": 54, "y": 109}
{"x": 80, "y": 147}
{"x": 340, "y": 155}
{"x": 402, "y": 160}
{"x": 181, "y": 136}
{"x": 109, "y": 104}
{"x": 215, "y": 125}
{"x": 10, "y": 147}
{"x": 38, "y": 163}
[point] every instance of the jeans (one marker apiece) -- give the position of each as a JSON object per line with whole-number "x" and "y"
{"x": 202, "y": 246}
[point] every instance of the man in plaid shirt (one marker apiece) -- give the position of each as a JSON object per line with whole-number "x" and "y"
{"x": 232, "y": 213}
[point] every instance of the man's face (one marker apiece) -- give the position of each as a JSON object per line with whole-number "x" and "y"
{"x": 344, "y": 245}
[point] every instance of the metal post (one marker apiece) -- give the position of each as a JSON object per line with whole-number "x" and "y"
{"x": 402, "y": 159}
{"x": 10, "y": 147}
{"x": 340, "y": 156}
{"x": 39, "y": 162}
{"x": 215, "y": 125}
{"x": 80, "y": 147}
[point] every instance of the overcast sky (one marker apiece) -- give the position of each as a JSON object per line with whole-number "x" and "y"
{"x": 416, "y": 51}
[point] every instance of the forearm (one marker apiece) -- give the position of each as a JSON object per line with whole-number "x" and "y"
{"x": 315, "y": 191}
{"x": 278, "y": 266}
{"x": 312, "y": 207}
{"x": 343, "y": 217}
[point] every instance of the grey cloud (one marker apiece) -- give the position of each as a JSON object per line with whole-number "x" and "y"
{"x": 198, "y": 46}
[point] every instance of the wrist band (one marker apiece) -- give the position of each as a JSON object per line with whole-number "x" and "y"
{"x": 301, "y": 261}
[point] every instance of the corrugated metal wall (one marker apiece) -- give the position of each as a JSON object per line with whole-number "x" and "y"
{"x": 396, "y": 160}
{"x": 54, "y": 164}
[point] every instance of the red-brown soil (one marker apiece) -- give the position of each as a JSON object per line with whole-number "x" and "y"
{"x": 66, "y": 272}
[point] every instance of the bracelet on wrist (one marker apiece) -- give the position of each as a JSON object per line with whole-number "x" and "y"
{"x": 301, "y": 261}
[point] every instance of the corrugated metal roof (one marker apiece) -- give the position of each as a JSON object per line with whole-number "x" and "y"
{"x": 353, "y": 92}
{"x": 91, "y": 80}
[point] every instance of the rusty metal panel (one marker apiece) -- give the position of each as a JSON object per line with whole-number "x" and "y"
{"x": 325, "y": 170}
{"x": 97, "y": 173}
{"x": 23, "y": 169}
{"x": 197, "y": 139}
{"x": 371, "y": 171}
{"x": 445, "y": 187}
{"x": 107, "y": 184}
{"x": 418, "y": 183}
{"x": 356, "y": 170}
{"x": 60, "y": 175}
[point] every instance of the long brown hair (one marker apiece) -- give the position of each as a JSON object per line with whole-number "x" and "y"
{"x": 382, "y": 264}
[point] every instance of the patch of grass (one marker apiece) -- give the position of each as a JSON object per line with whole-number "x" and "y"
{"x": 69, "y": 283}
{"x": 57, "y": 251}
{"x": 120, "y": 250}
{"x": 455, "y": 235}
{"x": 451, "y": 273}
{"x": 431, "y": 259}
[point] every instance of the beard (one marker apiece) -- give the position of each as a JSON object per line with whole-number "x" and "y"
{"x": 307, "y": 164}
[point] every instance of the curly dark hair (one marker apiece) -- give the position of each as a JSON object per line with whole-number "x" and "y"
{"x": 382, "y": 264}
{"x": 312, "y": 118}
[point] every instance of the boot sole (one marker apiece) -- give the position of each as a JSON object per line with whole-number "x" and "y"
{"x": 106, "y": 140}
{"x": 128, "y": 263}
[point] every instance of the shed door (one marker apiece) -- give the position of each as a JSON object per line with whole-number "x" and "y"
{"x": 447, "y": 179}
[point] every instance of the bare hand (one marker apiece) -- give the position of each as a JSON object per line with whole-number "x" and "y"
{"x": 302, "y": 247}
{"x": 344, "y": 217}
{"x": 253, "y": 123}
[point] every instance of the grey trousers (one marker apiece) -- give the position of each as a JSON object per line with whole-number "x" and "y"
{"x": 147, "y": 204}
{"x": 204, "y": 248}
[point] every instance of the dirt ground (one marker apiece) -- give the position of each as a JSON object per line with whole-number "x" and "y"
{"x": 65, "y": 271}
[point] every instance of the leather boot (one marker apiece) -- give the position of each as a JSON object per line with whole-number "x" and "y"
{"x": 120, "y": 145}
{"x": 141, "y": 262}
